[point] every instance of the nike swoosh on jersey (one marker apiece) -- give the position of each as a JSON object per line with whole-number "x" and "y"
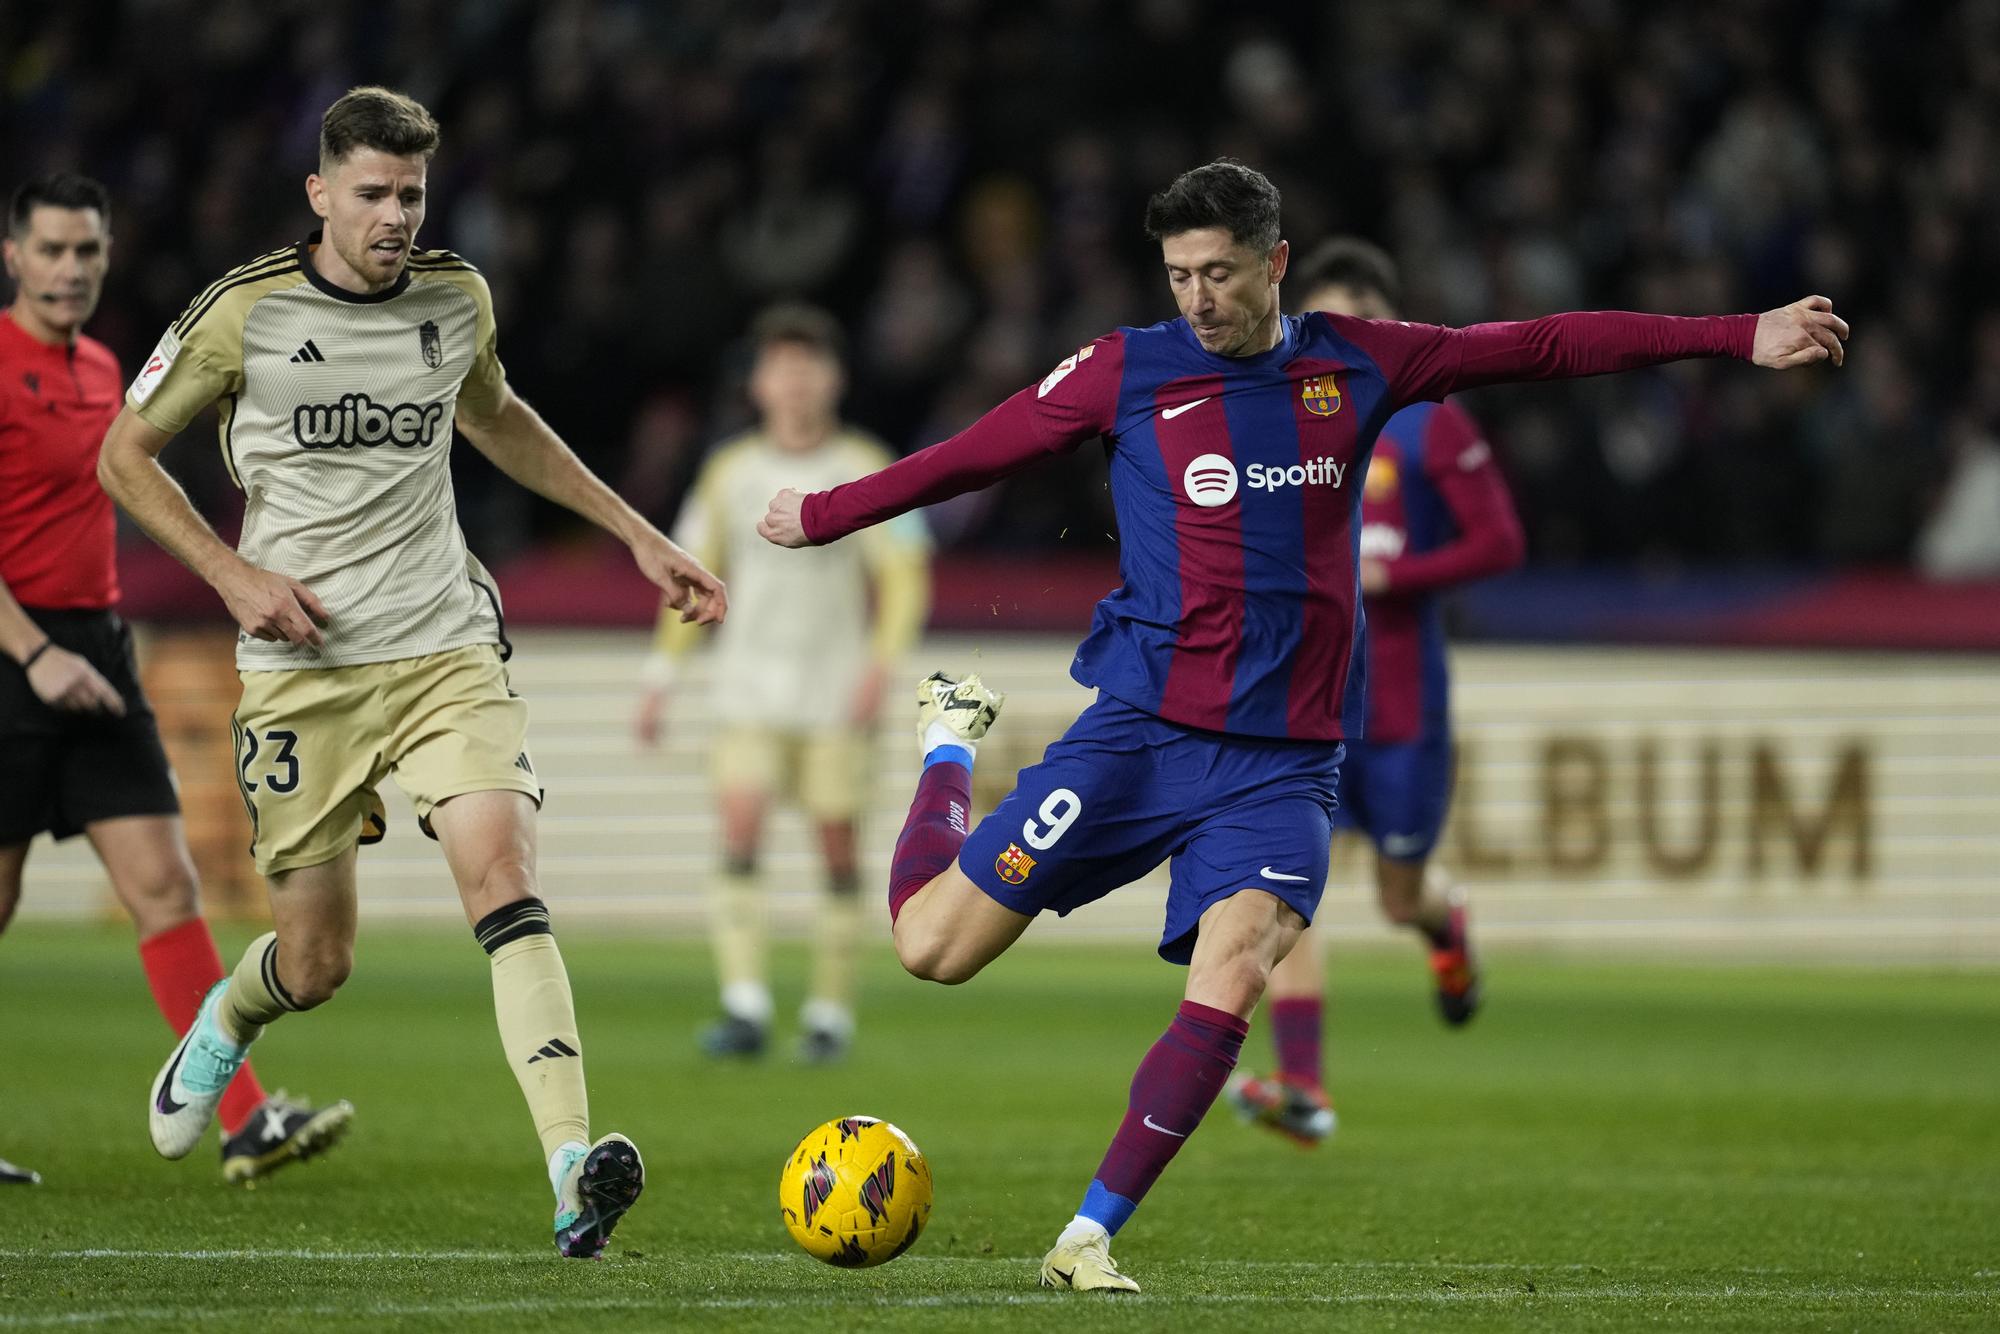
{"x": 1170, "y": 413}
{"x": 167, "y": 1104}
{"x": 1151, "y": 1124}
{"x": 1269, "y": 874}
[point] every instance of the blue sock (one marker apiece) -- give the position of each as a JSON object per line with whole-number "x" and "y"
{"x": 1106, "y": 1209}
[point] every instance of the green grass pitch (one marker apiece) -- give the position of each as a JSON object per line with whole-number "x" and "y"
{"x": 1639, "y": 1146}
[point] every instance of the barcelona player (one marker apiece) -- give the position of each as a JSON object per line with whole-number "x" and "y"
{"x": 1435, "y": 513}
{"x": 1230, "y": 665}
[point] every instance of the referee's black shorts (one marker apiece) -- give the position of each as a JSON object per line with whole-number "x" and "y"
{"x": 60, "y": 771}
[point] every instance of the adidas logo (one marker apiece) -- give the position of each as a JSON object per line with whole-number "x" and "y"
{"x": 310, "y": 352}
{"x": 552, "y": 1049}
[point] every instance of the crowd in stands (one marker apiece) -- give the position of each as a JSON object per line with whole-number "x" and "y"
{"x": 961, "y": 182}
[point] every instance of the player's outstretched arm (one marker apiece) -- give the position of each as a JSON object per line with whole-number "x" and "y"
{"x": 265, "y": 604}
{"x": 1424, "y": 361}
{"x": 1075, "y": 402}
{"x": 524, "y": 447}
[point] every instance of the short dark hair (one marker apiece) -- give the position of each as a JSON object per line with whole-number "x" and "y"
{"x": 1350, "y": 262}
{"x": 57, "y": 189}
{"x": 375, "y": 117}
{"x": 797, "y": 322}
{"x": 1224, "y": 193}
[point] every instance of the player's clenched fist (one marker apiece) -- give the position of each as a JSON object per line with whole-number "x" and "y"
{"x": 273, "y": 606}
{"x": 784, "y": 523}
{"x": 689, "y": 589}
{"x": 1800, "y": 334}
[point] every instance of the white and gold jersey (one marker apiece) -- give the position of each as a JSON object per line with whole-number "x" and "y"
{"x": 337, "y": 412}
{"x": 800, "y": 626}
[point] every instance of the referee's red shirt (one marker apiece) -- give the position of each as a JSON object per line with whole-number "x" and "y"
{"x": 58, "y": 532}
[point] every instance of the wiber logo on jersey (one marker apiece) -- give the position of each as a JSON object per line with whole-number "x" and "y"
{"x": 358, "y": 420}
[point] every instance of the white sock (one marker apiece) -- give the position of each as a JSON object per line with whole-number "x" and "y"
{"x": 827, "y": 1016}
{"x": 937, "y": 734}
{"x": 559, "y": 1162}
{"x": 750, "y": 1001}
{"x": 1082, "y": 1229}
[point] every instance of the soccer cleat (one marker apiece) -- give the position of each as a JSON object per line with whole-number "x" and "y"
{"x": 733, "y": 1036}
{"x": 1084, "y": 1265}
{"x": 191, "y": 1083}
{"x": 1456, "y": 970}
{"x": 822, "y": 1046}
{"x": 1302, "y": 1115}
{"x": 598, "y": 1185}
{"x": 282, "y": 1131}
{"x": 962, "y": 705}
{"x": 11, "y": 1175}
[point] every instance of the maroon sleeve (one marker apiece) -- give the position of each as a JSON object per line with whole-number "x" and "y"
{"x": 1427, "y": 361}
{"x": 1460, "y": 465}
{"x": 1075, "y": 402}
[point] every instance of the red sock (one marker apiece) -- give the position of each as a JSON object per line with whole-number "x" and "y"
{"x": 1174, "y": 1088}
{"x": 181, "y": 965}
{"x": 935, "y": 831}
{"x": 1295, "y": 1028}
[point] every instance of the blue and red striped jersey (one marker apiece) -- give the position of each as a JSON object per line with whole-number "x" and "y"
{"x": 1236, "y": 482}
{"x": 1435, "y": 512}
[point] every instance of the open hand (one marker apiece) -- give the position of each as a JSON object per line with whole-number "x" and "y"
{"x": 784, "y": 522}
{"x": 273, "y": 606}
{"x": 688, "y": 588}
{"x": 63, "y": 680}
{"x": 1799, "y": 335}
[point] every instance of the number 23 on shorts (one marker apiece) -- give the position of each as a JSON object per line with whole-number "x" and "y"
{"x": 279, "y": 770}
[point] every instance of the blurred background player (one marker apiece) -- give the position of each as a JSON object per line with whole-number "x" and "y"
{"x": 79, "y": 749}
{"x": 1435, "y": 513}
{"x": 800, "y": 627}
{"x": 372, "y": 640}
{"x": 1226, "y": 664}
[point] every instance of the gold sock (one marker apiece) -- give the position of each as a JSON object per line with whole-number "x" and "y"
{"x": 834, "y": 938}
{"x": 737, "y": 931}
{"x": 537, "y": 1018}
{"x": 254, "y": 996}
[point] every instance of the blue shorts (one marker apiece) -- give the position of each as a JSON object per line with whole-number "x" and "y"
{"x": 1123, "y": 791}
{"x": 1398, "y": 793}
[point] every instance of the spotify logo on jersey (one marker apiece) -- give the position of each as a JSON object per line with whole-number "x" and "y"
{"x": 1210, "y": 481}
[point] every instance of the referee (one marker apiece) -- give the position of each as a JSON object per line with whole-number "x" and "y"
{"x": 79, "y": 750}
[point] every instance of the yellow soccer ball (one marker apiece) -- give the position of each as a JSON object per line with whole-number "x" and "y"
{"x": 855, "y": 1193}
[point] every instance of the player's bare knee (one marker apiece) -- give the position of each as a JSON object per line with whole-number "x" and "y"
{"x": 168, "y": 897}
{"x": 929, "y": 956}
{"x": 507, "y": 880}
{"x": 1399, "y": 905}
{"x": 311, "y": 976}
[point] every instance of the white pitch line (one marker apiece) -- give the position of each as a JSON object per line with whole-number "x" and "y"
{"x": 820, "y": 1300}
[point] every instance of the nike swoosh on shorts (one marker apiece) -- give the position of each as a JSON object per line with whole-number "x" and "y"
{"x": 1269, "y": 874}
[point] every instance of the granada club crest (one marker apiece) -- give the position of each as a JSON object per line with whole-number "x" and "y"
{"x": 1321, "y": 395}
{"x": 1013, "y": 865}
{"x": 433, "y": 346}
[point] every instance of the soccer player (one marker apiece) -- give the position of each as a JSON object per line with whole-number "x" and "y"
{"x": 1228, "y": 665}
{"x": 1435, "y": 514}
{"x": 79, "y": 749}
{"x": 801, "y": 628}
{"x": 372, "y": 642}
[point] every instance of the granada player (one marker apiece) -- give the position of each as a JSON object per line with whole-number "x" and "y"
{"x": 79, "y": 750}
{"x": 1435, "y": 514}
{"x": 1231, "y": 664}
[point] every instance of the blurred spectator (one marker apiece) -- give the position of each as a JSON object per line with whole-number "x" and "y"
{"x": 962, "y": 181}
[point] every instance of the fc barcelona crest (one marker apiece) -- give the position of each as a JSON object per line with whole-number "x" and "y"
{"x": 1013, "y": 865}
{"x": 433, "y": 346}
{"x": 1321, "y": 395}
